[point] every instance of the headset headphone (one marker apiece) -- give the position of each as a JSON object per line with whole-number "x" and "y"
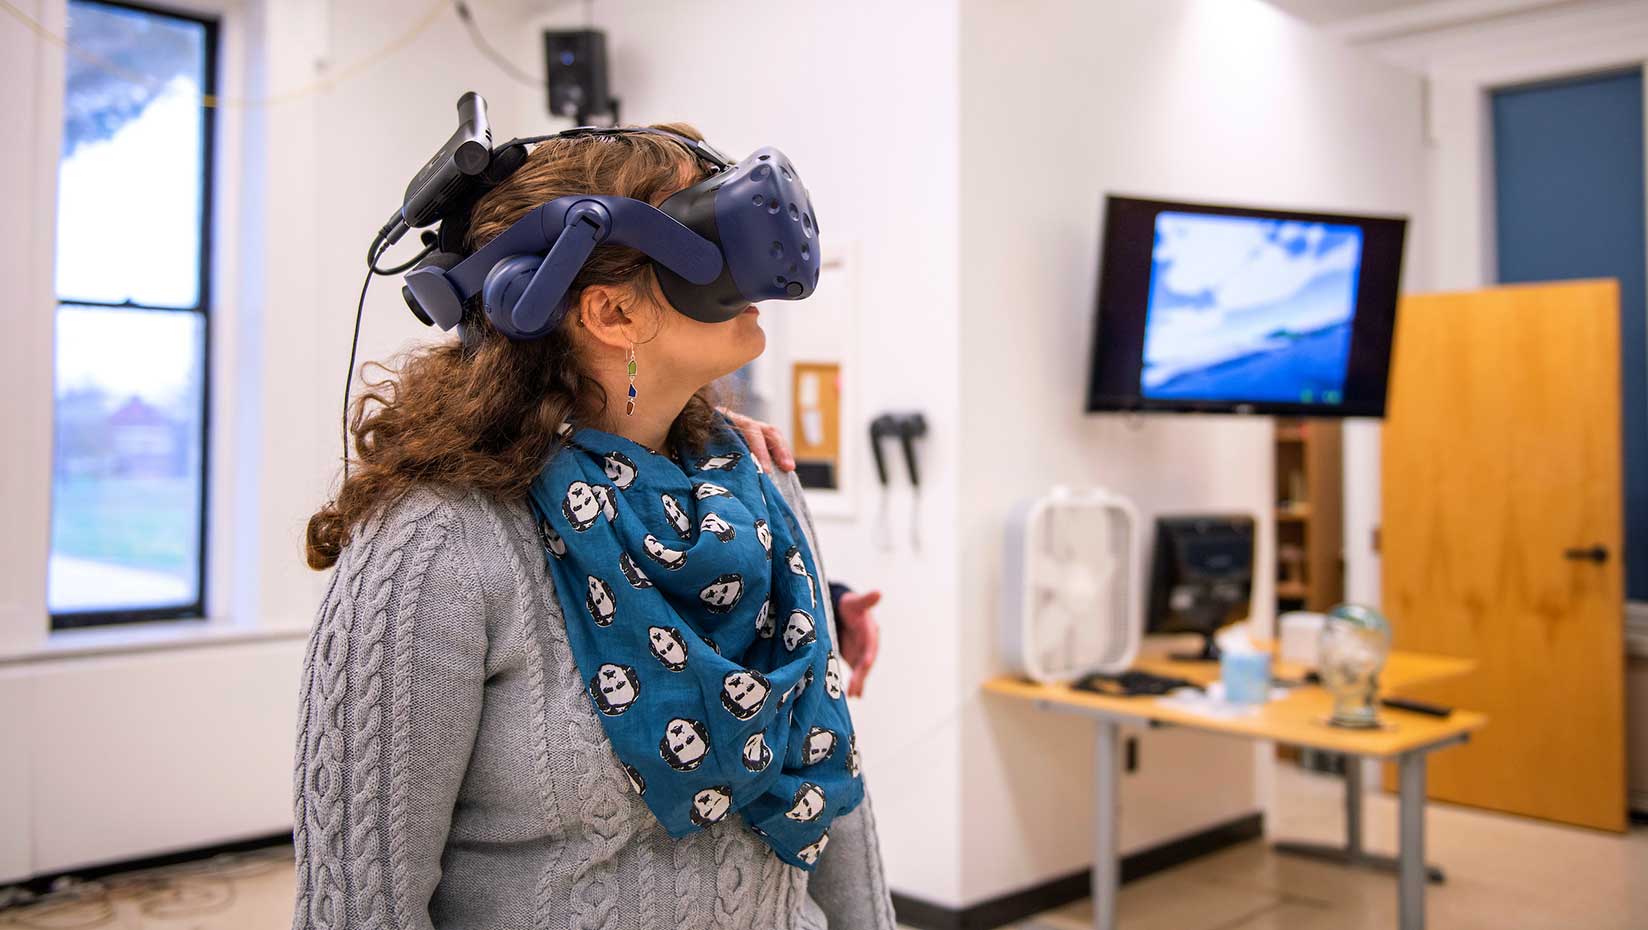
{"x": 744, "y": 233}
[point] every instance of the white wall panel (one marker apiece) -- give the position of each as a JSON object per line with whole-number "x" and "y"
{"x": 16, "y": 787}
{"x": 139, "y": 755}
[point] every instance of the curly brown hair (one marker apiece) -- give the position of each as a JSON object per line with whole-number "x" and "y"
{"x": 483, "y": 415}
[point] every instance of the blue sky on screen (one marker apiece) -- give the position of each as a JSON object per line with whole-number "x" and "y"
{"x": 1223, "y": 287}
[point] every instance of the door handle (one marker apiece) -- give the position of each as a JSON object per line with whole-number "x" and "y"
{"x": 1597, "y": 554}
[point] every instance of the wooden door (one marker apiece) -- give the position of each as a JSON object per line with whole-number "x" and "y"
{"x": 1501, "y": 478}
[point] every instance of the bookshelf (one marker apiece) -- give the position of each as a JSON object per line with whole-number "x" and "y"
{"x": 1310, "y": 571}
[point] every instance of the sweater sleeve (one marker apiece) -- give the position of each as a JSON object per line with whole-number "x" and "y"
{"x": 849, "y": 883}
{"x": 390, "y": 705}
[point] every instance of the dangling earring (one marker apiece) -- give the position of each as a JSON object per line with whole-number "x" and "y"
{"x": 629, "y": 405}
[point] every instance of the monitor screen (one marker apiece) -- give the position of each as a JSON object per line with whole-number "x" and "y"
{"x": 1223, "y": 309}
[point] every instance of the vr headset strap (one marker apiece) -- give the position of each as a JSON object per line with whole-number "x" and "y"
{"x": 621, "y": 220}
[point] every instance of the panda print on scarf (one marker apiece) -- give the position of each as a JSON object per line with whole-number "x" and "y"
{"x": 725, "y": 462}
{"x": 553, "y": 542}
{"x": 810, "y": 853}
{"x": 799, "y": 630}
{"x": 717, "y": 527}
{"x": 581, "y": 506}
{"x": 807, "y": 804}
{"x": 744, "y": 692}
{"x": 614, "y": 688}
{"x": 709, "y": 587}
{"x": 632, "y": 573}
{"x": 685, "y": 744}
{"x": 602, "y": 606}
{"x": 635, "y": 780}
{"x": 620, "y": 469}
{"x": 707, "y": 489}
{"x": 723, "y": 594}
{"x": 677, "y": 515}
{"x": 668, "y": 646}
{"x": 609, "y": 501}
{"x": 832, "y": 677}
{"x": 798, "y": 566}
{"x": 757, "y": 755}
{"x": 820, "y": 745}
{"x": 797, "y": 689}
{"x": 671, "y": 559}
{"x": 711, "y": 805}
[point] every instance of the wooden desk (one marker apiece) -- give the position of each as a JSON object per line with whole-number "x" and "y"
{"x": 1298, "y": 719}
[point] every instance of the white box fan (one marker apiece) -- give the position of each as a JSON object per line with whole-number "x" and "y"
{"x": 1070, "y": 588}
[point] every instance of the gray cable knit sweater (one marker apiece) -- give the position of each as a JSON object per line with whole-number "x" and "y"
{"x": 451, "y": 773}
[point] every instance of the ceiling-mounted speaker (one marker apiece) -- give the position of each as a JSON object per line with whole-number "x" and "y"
{"x": 576, "y": 66}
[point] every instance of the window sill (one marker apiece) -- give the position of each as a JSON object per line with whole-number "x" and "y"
{"x": 144, "y": 637}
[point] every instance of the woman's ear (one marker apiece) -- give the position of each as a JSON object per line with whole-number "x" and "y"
{"x": 604, "y": 312}
{"x": 619, "y": 315}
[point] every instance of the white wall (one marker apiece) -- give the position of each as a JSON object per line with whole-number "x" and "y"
{"x": 1218, "y": 100}
{"x": 28, "y": 235}
{"x": 202, "y": 718}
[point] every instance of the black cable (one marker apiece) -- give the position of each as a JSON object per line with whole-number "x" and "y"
{"x": 406, "y": 266}
{"x": 354, "y": 343}
{"x": 377, "y": 240}
{"x": 485, "y": 48}
{"x": 373, "y": 253}
{"x": 378, "y": 247}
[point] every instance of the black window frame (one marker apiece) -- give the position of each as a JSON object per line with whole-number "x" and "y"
{"x": 196, "y": 610}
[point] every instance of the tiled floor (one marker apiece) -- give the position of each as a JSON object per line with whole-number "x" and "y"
{"x": 250, "y": 891}
{"x": 1504, "y": 873}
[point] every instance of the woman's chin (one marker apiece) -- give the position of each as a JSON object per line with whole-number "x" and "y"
{"x": 737, "y": 342}
{"x": 751, "y": 336}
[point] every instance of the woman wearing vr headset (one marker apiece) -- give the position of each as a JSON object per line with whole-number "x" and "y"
{"x": 577, "y": 664}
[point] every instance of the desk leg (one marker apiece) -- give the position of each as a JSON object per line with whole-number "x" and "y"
{"x": 1106, "y": 811}
{"x": 1353, "y": 807}
{"x": 1351, "y": 853}
{"x": 1411, "y": 876}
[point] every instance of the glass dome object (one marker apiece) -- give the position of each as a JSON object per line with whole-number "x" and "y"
{"x": 1354, "y": 645}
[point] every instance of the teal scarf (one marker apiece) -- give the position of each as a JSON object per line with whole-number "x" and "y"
{"x": 695, "y": 612}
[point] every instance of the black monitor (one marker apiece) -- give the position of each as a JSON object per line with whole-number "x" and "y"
{"x": 1220, "y": 309}
{"x": 1201, "y": 576}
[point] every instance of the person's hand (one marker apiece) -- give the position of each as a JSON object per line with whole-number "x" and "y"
{"x": 764, "y": 440}
{"x": 860, "y": 635}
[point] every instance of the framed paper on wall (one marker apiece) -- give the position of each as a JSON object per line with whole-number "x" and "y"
{"x": 806, "y": 384}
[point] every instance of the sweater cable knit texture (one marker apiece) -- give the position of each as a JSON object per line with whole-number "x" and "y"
{"x": 451, "y": 773}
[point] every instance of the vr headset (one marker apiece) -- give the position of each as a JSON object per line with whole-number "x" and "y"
{"x": 745, "y": 233}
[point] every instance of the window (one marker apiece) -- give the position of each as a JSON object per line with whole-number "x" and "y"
{"x": 134, "y": 294}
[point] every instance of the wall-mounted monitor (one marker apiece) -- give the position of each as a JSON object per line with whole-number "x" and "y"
{"x": 1219, "y": 309}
